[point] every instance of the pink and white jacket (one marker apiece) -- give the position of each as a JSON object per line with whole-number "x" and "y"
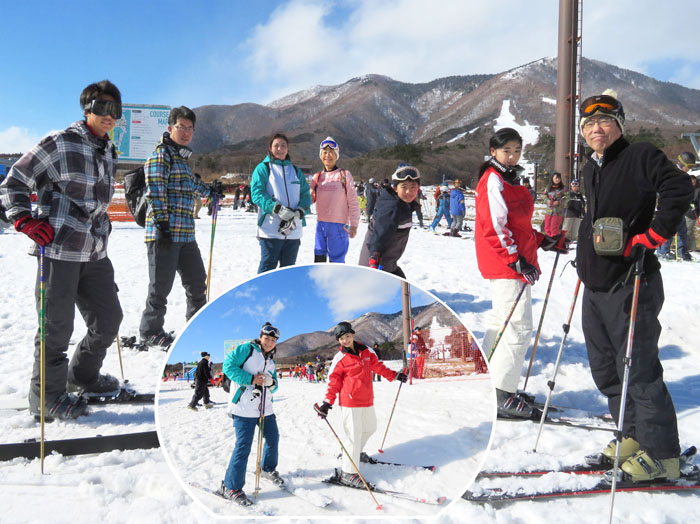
{"x": 335, "y": 201}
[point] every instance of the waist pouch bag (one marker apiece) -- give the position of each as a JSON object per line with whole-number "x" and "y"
{"x": 609, "y": 236}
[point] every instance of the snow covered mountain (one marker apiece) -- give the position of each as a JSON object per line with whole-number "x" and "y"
{"x": 374, "y": 111}
{"x": 369, "y": 328}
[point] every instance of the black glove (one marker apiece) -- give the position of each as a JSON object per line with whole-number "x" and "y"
{"x": 283, "y": 212}
{"x": 401, "y": 377}
{"x": 322, "y": 410}
{"x": 217, "y": 188}
{"x": 529, "y": 272}
{"x": 163, "y": 236}
{"x": 557, "y": 243}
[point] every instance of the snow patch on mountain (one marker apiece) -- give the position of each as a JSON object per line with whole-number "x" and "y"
{"x": 530, "y": 133}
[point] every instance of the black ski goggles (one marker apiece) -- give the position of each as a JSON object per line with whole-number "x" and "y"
{"x": 599, "y": 104}
{"x": 270, "y": 330}
{"x": 406, "y": 173}
{"x": 104, "y": 108}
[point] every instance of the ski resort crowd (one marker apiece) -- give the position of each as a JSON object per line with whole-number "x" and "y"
{"x": 73, "y": 173}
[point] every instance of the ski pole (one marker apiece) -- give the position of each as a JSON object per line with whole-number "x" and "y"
{"x": 381, "y": 449}
{"x": 42, "y": 353}
{"x": 550, "y": 384}
{"x": 638, "y": 271}
{"x": 505, "y": 324}
{"x": 119, "y": 352}
{"x": 539, "y": 327}
{"x": 214, "y": 214}
{"x": 261, "y": 427}
{"x": 379, "y": 506}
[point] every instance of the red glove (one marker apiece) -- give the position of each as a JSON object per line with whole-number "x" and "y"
{"x": 556, "y": 243}
{"x": 374, "y": 261}
{"x": 40, "y": 231}
{"x": 636, "y": 245}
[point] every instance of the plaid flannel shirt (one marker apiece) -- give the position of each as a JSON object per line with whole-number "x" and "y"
{"x": 72, "y": 172}
{"x": 170, "y": 191}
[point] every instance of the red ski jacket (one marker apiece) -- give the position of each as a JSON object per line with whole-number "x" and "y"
{"x": 350, "y": 376}
{"x": 503, "y": 226}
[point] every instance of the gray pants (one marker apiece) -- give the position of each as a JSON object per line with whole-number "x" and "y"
{"x": 89, "y": 286}
{"x": 183, "y": 258}
{"x": 457, "y": 221}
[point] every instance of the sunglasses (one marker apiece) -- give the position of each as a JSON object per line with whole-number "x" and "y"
{"x": 602, "y": 103}
{"x": 329, "y": 143}
{"x": 406, "y": 173}
{"x": 104, "y": 108}
{"x": 270, "y": 331}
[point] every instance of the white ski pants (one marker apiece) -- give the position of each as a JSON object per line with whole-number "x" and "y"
{"x": 507, "y": 361}
{"x": 359, "y": 424}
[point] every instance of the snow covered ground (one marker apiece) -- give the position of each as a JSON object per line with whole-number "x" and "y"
{"x": 444, "y": 423}
{"x": 137, "y": 486}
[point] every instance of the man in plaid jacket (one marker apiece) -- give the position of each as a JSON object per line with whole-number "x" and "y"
{"x": 72, "y": 173}
{"x": 171, "y": 190}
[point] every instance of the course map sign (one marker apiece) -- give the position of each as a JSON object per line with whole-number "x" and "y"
{"x": 139, "y": 130}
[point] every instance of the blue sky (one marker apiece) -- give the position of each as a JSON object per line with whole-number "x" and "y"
{"x": 227, "y": 52}
{"x": 295, "y": 300}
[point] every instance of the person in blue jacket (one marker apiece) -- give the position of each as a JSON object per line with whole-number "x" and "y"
{"x": 457, "y": 209}
{"x": 283, "y": 197}
{"x": 251, "y": 369}
{"x": 443, "y": 203}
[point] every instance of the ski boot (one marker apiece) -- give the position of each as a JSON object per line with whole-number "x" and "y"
{"x": 628, "y": 448}
{"x": 642, "y": 467}
{"x": 364, "y": 457}
{"x": 512, "y": 405}
{"x": 160, "y": 340}
{"x": 272, "y": 476}
{"x": 65, "y": 407}
{"x": 234, "y": 495}
{"x": 103, "y": 385}
{"x": 193, "y": 408}
{"x": 352, "y": 480}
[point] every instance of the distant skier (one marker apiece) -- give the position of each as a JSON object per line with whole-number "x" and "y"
{"x": 390, "y": 226}
{"x": 574, "y": 205}
{"x": 202, "y": 376}
{"x": 457, "y": 209}
{"x": 443, "y": 208}
{"x": 251, "y": 368}
{"x": 555, "y": 211}
{"x": 350, "y": 379}
{"x": 685, "y": 162}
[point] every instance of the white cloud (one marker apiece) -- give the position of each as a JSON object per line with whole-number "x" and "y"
{"x": 311, "y": 42}
{"x": 361, "y": 293}
{"x": 265, "y": 311}
{"x": 17, "y": 140}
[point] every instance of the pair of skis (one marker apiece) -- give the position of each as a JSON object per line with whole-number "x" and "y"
{"x": 689, "y": 480}
{"x": 30, "y": 449}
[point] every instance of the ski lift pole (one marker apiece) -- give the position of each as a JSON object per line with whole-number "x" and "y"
{"x": 638, "y": 271}
{"x": 42, "y": 353}
{"x": 379, "y": 506}
{"x": 381, "y": 449}
{"x": 214, "y": 214}
{"x": 551, "y": 382}
{"x": 505, "y": 324}
{"x": 261, "y": 429}
{"x": 539, "y": 327}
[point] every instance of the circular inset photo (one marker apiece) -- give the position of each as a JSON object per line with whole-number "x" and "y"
{"x": 325, "y": 390}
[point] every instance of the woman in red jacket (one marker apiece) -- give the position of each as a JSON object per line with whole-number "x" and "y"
{"x": 506, "y": 252}
{"x": 350, "y": 378}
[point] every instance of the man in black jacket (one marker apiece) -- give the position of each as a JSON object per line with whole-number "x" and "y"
{"x": 624, "y": 180}
{"x": 202, "y": 376}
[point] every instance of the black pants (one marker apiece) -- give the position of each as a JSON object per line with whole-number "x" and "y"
{"x": 650, "y": 417}
{"x": 183, "y": 258}
{"x": 89, "y": 286}
{"x": 201, "y": 390}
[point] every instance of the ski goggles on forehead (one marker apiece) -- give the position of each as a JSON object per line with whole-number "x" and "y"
{"x": 599, "y": 103}
{"x": 104, "y": 108}
{"x": 270, "y": 331}
{"x": 406, "y": 173}
{"x": 329, "y": 144}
